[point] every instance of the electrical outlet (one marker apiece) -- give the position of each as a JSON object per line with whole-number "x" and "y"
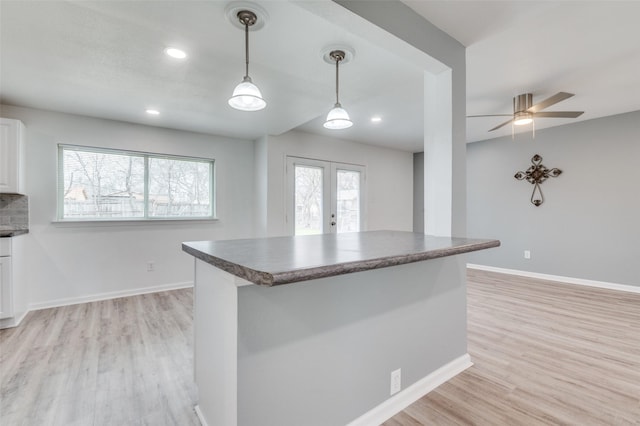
{"x": 396, "y": 381}
{"x": 527, "y": 254}
{"x": 151, "y": 266}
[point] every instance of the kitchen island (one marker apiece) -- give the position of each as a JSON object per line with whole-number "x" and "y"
{"x": 306, "y": 330}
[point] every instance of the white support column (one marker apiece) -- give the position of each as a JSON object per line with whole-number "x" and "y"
{"x": 216, "y": 345}
{"x": 438, "y": 154}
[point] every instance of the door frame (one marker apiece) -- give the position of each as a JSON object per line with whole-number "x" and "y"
{"x": 329, "y": 190}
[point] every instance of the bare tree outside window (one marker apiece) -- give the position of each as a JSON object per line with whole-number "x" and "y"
{"x": 178, "y": 187}
{"x": 308, "y": 200}
{"x": 348, "y": 201}
{"x": 102, "y": 184}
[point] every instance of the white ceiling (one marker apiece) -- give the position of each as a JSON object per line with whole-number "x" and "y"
{"x": 589, "y": 48}
{"x": 105, "y": 59}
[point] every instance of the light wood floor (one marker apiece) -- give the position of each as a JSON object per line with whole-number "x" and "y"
{"x": 118, "y": 362}
{"x": 543, "y": 353}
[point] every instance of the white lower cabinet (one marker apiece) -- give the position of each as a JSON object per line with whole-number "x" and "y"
{"x": 6, "y": 299}
{"x": 13, "y": 291}
{"x": 6, "y": 284}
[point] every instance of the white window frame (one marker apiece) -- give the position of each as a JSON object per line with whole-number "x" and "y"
{"x": 146, "y": 156}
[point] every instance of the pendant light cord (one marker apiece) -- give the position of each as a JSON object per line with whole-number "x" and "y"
{"x": 337, "y": 80}
{"x": 246, "y": 49}
{"x": 337, "y": 55}
{"x": 247, "y": 18}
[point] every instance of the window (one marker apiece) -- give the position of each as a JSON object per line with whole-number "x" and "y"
{"x": 104, "y": 184}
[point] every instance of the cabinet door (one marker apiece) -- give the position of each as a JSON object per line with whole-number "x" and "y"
{"x": 11, "y": 156}
{"x": 6, "y": 298}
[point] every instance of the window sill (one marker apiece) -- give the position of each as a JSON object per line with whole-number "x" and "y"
{"x": 72, "y": 223}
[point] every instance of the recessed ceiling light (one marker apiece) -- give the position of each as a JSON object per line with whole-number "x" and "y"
{"x": 152, "y": 112}
{"x": 175, "y": 53}
{"x": 376, "y": 119}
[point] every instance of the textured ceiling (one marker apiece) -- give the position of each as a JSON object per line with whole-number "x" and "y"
{"x": 589, "y": 48}
{"x": 105, "y": 59}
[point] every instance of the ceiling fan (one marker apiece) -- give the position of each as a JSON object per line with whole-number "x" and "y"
{"x": 524, "y": 111}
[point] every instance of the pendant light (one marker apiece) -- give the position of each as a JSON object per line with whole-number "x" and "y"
{"x": 246, "y": 96}
{"x": 337, "y": 118}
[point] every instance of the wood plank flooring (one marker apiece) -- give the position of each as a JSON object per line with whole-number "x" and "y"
{"x": 126, "y": 361}
{"x": 544, "y": 353}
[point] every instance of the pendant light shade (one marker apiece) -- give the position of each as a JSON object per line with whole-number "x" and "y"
{"x": 246, "y": 96}
{"x": 338, "y": 118}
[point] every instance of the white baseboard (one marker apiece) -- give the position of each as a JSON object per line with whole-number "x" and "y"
{"x": 557, "y": 278}
{"x": 109, "y": 295}
{"x": 408, "y": 396}
{"x": 13, "y": 321}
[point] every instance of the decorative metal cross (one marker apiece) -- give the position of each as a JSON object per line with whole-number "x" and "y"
{"x": 535, "y": 175}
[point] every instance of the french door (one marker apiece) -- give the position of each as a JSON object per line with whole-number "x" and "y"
{"x": 324, "y": 197}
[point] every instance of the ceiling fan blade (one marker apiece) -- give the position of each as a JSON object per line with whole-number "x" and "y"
{"x": 500, "y": 125}
{"x": 559, "y": 114}
{"x": 560, "y": 96}
{"x": 490, "y": 115}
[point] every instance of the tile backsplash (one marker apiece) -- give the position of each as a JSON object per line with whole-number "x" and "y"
{"x": 14, "y": 212}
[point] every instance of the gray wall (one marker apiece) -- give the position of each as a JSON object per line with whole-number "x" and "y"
{"x": 82, "y": 261}
{"x": 588, "y": 226}
{"x": 321, "y": 352}
{"x": 388, "y": 193}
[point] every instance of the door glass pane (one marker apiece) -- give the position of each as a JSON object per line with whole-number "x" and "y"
{"x": 308, "y": 200}
{"x": 348, "y": 201}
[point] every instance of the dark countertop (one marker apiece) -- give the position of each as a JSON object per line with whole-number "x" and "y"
{"x": 283, "y": 260}
{"x": 12, "y": 232}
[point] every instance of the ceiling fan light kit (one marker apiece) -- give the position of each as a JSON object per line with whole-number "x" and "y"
{"x": 521, "y": 104}
{"x": 522, "y": 118}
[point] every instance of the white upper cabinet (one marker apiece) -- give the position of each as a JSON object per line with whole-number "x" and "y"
{"x": 12, "y": 156}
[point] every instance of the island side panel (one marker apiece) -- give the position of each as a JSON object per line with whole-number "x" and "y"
{"x": 215, "y": 341}
{"x": 321, "y": 352}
